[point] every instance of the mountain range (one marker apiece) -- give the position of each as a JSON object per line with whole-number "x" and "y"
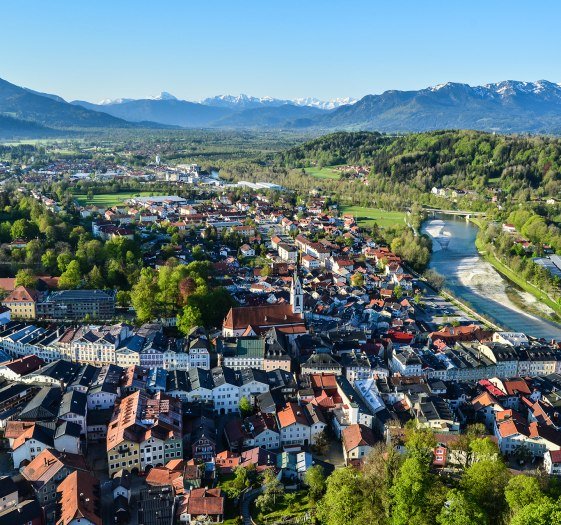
{"x": 505, "y": 107}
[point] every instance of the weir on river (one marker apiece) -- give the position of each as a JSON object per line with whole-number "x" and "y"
{"x": 473, "y": 280}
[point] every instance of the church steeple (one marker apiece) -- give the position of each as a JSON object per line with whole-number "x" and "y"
{"x": 296, "y": 294}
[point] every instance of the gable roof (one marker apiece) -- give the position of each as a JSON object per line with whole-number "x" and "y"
{"x": 357, "y": 436}
{"x": 79, "y": 498}
{"x": 21, "y": 294}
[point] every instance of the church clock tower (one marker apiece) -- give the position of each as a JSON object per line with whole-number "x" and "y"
{"x": 296, "y": 295}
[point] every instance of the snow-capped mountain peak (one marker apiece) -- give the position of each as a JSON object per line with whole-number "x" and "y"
{"x": 164, "y": 95}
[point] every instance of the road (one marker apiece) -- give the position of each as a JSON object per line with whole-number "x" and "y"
{"x": 246, "y": 505}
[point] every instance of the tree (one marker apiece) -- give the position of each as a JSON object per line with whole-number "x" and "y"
{"x": 71, "y": 277}
{"x": 485, "y": 481}
{"x": 416, "y": 498}
{"x": 379, "y": 471}
{"x": 342, "y": 502}
{"x": 187, "y": 287}
{"x": 190, "y": 317}
{"x": 545, "y": 511}
{"x": 63, "y": 260}
{"x": 26, "y": 277}
{"x": 95, "y": 278}
{"x": 49, "y": 261}
{"x": 521, "y": 491}
{"x": 20, "y": 229}
{"x": 244, "y": 477}
{"x": 321, "y": 443}
{"x": 123, "y": 298}
{"x": 245, "y": 406}
{"x": 315, "y": 479}
{"x": 273, "y": 490}
{"x": 459, "y": 510}
{"x": 357, "y": 280}
{"x": 143, "y": 295}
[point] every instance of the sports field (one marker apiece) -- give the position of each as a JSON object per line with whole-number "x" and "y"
{"x": 368, "y": 216}
{"x": 111, "y": 199}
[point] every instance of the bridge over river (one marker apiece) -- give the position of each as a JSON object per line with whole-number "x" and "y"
{"x": 458, "y": 213}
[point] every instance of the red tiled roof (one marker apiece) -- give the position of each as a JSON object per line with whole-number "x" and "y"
{"x": 207, "y": 502}
{"x": 266, "y": 315}
{"x": 357, "y": 436}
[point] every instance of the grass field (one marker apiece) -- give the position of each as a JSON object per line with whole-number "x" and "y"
{"x": 368, "y": 216}
{"x": 111, "y": 199}
{"x": 323, "y": 173}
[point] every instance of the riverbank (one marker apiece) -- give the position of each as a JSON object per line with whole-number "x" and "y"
{"x": 514, "y": 278}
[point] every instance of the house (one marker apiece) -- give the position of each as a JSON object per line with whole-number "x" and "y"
{"x": 200, "y": 505}
{"x": 8, "y": 493}
{"x": 77, "y": 305}
{"x": 155, "y": 506}
{"x": 121, "y": 484}
{"x": 247, "y": 251}
{"x": 300, "y": 425}
{"x": 203, "y": 439}
{"x": 22, "y": 302}
{"x": 225, "y": 390}
{"x": 358, "y": 441}
{"x": 79, "y": 500}
{"x": 48, "y": 470}
{"x": 74, "y": 408}
{"x": 16, "y": 369}
{"x": 552, "y": 462}
{"x": 28, "y": 439}
{"x": 105, "y": 388}
{"x": 26, "y": 512}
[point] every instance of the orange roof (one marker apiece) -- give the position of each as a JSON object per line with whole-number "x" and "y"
{"x": 79, "y": 498}
{"x": 516, "y": 386}
{"x": 292, "y": 413}
{"x": 162, "y": 476}
{"x": 483, "y": 400}
{"x": 324, "y": 381}
{"x": 21, "y": 294}
{"x": 207, "y": 502}
{"x": 48, "y": 463}
{"x": 357, "y": 436}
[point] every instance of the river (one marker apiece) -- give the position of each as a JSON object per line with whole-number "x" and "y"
{"x": 472, "y": 279}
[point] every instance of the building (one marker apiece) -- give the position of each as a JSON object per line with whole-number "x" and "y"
{"x": 358, "y": 441}
{"x": 300, "y": 425}
{"x": 202, "y": 505}
{"x": 77, "y": 305}
{"x": 22, "y": 302}
{"x": 254, "y": 320}
{"x": 79, "y": 500}
{"x": 144, "y": 432}
{"x": 48, "y": 470}
{"x": 552, "y": 462}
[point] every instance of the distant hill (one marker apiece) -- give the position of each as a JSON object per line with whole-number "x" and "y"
{"x": 285, "y": 116}
{"x": 506, "y": 107}
{"x": 164, "y": 111}
{"x": 46, "y": 110}
{"x": 12, "y": 128}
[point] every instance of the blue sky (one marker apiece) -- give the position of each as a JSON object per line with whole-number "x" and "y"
{"x": 123, "y": 48}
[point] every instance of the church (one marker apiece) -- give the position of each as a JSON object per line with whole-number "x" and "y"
{"x": 256, "y": 320}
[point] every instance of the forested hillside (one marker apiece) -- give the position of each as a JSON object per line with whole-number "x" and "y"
{"x": 467, "y": 160}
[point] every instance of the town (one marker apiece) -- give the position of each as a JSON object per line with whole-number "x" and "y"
{"x": 261, "y": 339}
